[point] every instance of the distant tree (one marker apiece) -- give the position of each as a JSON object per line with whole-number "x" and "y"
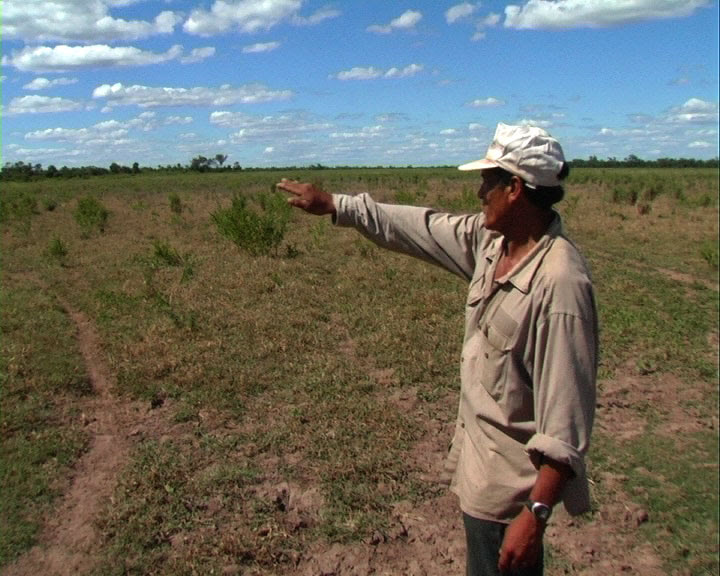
{"x": 200, "y": 164}
{"x": 51, "y": 171}
{"x": 115, "y": 168}
{"x": 135, "y": 168}
{"x": 220, "y": 159}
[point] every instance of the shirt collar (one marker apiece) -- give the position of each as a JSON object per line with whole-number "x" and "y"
{"x": 522, "y": 275}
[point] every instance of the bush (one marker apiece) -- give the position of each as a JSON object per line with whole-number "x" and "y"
{"x": 257, "y": 231}
{"x": 90, "y": 214}
{"x": 175, "y": 203}
{"x": 709, "y": 253}
{"x": 58, "y": 249}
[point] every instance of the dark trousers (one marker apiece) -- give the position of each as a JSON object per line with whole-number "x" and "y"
{"x": 484, "y": 539}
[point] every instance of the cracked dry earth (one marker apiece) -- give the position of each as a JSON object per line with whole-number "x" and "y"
{"x": 425, "y": 540}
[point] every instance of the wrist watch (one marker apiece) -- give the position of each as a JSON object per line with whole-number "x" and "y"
{"x": 540, "y": 511}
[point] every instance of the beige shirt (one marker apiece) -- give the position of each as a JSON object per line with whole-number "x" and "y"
{"x": 529, "y": 358}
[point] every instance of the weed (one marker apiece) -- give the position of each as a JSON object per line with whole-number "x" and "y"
{"x": 166, "y": 255}
{"x": 49, "y": 204}
{"x": 58, "y": 249}
{"x": 90, "y": 215}
{"x": 625, "y": 195}
{"x": 18, "y": 206}
{"x": 176, "y": 206}
{"x": 404, "y": 196}
{"x": 709, "y": 253}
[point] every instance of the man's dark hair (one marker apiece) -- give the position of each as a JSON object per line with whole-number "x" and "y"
{"x": 541, "y": 196}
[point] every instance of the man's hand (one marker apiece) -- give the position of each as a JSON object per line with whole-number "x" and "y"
{"x": 522, "y": 545}
{"x": 308, "y": 197}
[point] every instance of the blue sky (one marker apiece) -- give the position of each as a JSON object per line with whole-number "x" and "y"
{"x": 300, "y": 82}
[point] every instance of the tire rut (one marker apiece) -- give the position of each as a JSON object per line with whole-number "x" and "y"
{"x": 69, "y": 542}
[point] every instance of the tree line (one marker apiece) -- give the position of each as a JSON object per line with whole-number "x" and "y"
{"x": 22, "y": 171}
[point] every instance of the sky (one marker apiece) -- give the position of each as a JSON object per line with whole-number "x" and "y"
{"x": 353, "y": 83}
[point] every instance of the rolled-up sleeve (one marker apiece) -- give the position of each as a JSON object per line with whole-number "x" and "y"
{"x": 564, "y": 397}
{"x": 443, "y": 239}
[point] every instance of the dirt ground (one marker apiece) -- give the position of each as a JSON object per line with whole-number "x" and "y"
{"x": 426, "y": 540}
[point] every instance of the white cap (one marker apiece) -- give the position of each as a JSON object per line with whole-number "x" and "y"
{"x": 526, "y": 151}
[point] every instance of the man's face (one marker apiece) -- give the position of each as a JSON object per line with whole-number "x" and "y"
{"x": 493, "y": 194}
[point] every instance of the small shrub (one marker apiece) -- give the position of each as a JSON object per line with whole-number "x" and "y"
{"x": 58, "y": 249}
{"x": 466, "y": 202}
{"x": 623, "y": 195}
{"x": 19, "y": 207}
{"x": 90, "y": 214}
{"x": 257, "y": 231}
{"x": 176, "y": 206}
{"x": 709, "y": 253}
{"x": 49, "y": 204}
{"x": 405, "y": 197}
{"x": 166, "y": 255}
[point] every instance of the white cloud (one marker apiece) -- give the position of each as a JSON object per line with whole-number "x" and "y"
{"x": 406, "y": 21}
{"x": 486, "y": 103}
{"x": 41, "y": 105}
{"x": 491, "y": 20}
{"x": 198, "y": 55}
{"x": 261, "y": 47}
{"x": 267, "y": 129}
{"x": 359, "y": 73}
{"x": 695, "y": 111}
{"x": 63, "y": 57}
{"x": 149, "y": 96}
{"x": 319, "y": 16}
{"x": 407, "y": 72}
{"x": 459, "y": 12}
{"x": 178, "y": 120}
{"x": 370, "y": 73}
{"x": 535, "y": 122}
{"x": 448, "y": 132}
{"x": 364, "y": 133}
{"x": 73, "y": 21}
{"x": 700, "y": 144}
{"x": 594, "y": 13}
{"x": 246, "y": 16}
{"x": 43, "y": 83}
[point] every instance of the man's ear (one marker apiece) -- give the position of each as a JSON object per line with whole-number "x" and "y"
{"x": 516, "y": 188}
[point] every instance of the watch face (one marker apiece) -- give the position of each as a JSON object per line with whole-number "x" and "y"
{"x": 541, "y": 511}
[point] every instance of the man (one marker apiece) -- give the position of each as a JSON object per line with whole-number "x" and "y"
{"x": 529, "y": 357}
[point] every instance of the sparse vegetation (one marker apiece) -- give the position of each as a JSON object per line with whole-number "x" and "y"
{"x": 317, "y": 375}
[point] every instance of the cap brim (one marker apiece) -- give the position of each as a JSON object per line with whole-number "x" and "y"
{"x": 478, "y": 165}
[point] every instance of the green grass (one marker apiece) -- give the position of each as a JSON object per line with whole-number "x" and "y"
{"x": 676, "y": 481}
{"x": 280, "y": 366}
{"x": 41, "y": 375}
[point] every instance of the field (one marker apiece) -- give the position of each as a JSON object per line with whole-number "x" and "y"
{"x": 175, "y": 404}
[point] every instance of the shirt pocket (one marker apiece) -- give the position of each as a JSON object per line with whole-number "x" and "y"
{"x": 497, "y": 338}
